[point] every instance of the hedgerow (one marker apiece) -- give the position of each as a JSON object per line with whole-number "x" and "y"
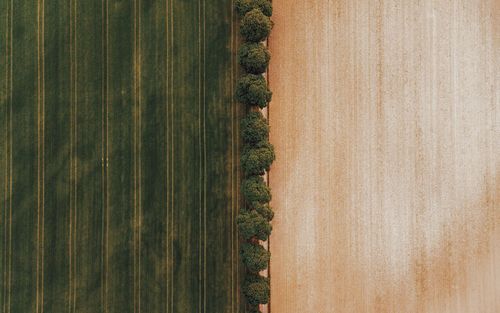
{"x": 252, "y": 90}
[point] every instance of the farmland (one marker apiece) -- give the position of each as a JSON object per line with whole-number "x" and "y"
{"x": 385, "y": 186}
{"x": 118, "y": 156}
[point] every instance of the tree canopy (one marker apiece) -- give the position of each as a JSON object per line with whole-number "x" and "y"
{"x": 253, "y": 90}
{"x": 253, "y": 225}
{"x": 254, "y": 57}
{"x": 255, "y": 26}
{"x": 263, "y": 209}
{"x": 255, "y": 257}
{"x": 245, "y": 6}
{"x": 254, "y": 189}
{"x": 256, "y": 289}
{"x": 254, "y": 128}
{"x": 256, "y": 159}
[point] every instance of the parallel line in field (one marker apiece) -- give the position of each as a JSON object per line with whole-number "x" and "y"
{"x": 137, "y": 165}
{"x": 136, "y": 304}
{"x": 5, "y": 187}
{"x": 172, "y": 207}
{"x": 73, "y": 157}
{"x": 237, "y": 181}
{"x": 237, "y": 144}
{"x": 104, "y": 155}
{"x": 232, "y": 159}
{"x": 40, "y": 96}
{"x": 38, "y": 151}
{"x": 43, "y": 157}
{"x": 167, "y": 97}
{"x": 76, "y": 154}
{"x": 202, "y": 152}
{"x": 5, "y": 205}
{"x": 204, "y": 164}
{"x": 136, "y": 196}
{"x": 167, "y": 267}
{"x": 8, "y": 163}
{"x": 107, "y": 159}
{"x": 139, "y": 118}
{"x": 10, "y": 152}
{"x": 201, "y": 164}
{"x": 43, "y": 161}
{"x": 75, "y": 205}
{"x": 134, "y": 112}
{"x": 70, "y": 233}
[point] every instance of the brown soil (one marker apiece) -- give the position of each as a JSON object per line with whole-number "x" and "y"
{"x": 385, "y": 120}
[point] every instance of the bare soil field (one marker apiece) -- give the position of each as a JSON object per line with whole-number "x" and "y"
{"x": 385, "y": 121}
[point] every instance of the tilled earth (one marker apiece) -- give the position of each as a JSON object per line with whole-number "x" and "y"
{"x": 385, "y": 123}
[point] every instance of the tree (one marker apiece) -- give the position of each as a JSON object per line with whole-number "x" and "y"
{"x": 256, "y": 289}
{"x": 255, "y": 26}
{"x": 245, "y": 6}
{"x": 254, "y": 57}
{"x": 252, "y": 90}
{"x": 254, "y": 128}
{"x": 255, "y": 257}
{"x": 256, "y": 159}
{"x": 263, "y": 209}
{"x": 253, "y": 225}
{"x": 254, "y": 189}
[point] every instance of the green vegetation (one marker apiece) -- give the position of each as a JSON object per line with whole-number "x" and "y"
{"x": 253, "y": 225}
{"x": 245, "y": 6}
{"x": 255, "y": 26}
{"x": 254, "y": 128}
{"x": 255, "y": 257}
{"x": 119, "y": 155}
{"x": 252, "y": 90}
{"x": 256, "y": 289}
{"x": 257, "y": 158}
{"x": 258, "y": 154}
{"x": 256, "y": 190}
{"x": 263, "y": 209}
{"x": 254, "y": 57}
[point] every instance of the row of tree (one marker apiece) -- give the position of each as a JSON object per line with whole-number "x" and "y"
{"x": 258, "y": 154}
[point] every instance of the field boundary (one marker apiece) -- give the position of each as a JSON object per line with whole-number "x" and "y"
{"x": 7, "y": 279}
{"x": 258, "y": 153}
{"x": 73, "y": 157}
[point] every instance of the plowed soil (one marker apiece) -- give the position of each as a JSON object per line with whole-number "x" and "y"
{"x": 385, "y": 119}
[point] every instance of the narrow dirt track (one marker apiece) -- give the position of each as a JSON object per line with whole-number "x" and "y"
{"x": 385, "y": 119}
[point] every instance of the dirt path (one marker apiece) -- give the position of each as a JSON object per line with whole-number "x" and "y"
{"x": 386, "y": 126}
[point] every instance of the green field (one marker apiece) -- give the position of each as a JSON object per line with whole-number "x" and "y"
{"x": 118, "y": 156}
